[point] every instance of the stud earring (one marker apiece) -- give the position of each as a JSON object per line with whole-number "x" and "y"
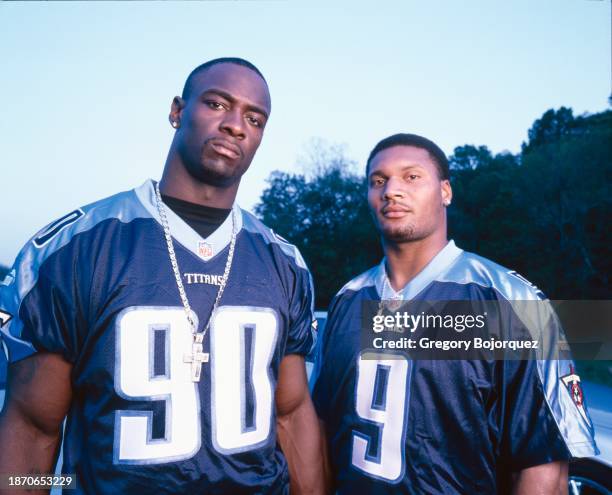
{"x": 175, "y": 124}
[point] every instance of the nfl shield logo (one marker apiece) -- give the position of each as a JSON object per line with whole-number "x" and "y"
{"x": 205, "y": 250}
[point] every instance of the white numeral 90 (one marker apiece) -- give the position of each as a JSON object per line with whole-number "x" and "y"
{"x": 151, "y": 343}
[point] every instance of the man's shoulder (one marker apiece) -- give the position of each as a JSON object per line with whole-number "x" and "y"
{"x": 472, "y": 269}
{"x": 254, "y": 226}
{"x": 123, "y": 207}
{"x": 361, "y": 281}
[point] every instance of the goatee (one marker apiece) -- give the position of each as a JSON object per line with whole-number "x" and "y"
{"x": 405, "y": 233}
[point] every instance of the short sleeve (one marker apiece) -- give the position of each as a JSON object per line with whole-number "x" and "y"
{"x": 546, "y": 416}
{"x": 40, "y": 298}
{"x": 16, "y": 346}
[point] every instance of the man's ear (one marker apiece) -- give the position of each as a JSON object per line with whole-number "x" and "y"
{"x": 447, "y": 192}
{"x": 176, "y": 109}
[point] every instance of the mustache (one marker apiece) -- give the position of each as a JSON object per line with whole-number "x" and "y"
{"x": 226, "y": 143}
{"x": 395, "y": 206}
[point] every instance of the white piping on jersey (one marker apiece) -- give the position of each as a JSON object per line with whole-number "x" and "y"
{"x": 475, "y": 269}
{"x": 440, "y": 262}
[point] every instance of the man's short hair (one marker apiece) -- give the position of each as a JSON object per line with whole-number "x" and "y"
{"x": 432, "y": 148}
{"x": 207, "y": 65}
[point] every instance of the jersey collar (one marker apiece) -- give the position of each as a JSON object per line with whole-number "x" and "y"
{"x": 204, "y": 248}
{"x": 439, "y": 263}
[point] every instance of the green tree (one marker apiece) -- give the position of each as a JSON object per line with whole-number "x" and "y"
{"x": 551, "y": 127}
{"x": 470, "y": 157}
{"x": 487, "y": 215}
{"x": 568, "y": 183}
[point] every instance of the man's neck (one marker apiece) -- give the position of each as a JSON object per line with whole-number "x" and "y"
{"x": 178, "y": 183}
{"x": 407, "y": 259}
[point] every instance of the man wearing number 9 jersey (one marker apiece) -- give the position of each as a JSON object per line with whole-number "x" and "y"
{"x": 396, "y": 425}
{"x": 168, "y": 324}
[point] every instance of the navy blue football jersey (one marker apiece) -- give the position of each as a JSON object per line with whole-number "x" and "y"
{"x": 97, "y": 287}
{"x": 396, "y": 425}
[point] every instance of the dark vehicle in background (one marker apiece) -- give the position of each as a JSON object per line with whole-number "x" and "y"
{"x": 593, "y": 475}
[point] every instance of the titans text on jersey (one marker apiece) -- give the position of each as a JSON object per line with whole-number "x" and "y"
{"x": 442, "y": 426}
{"x": 93, "y": 287}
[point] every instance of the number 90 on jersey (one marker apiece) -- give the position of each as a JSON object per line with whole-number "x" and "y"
{"x": 151, "y": 343}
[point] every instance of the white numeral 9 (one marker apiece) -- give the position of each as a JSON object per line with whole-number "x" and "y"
{"x": 135, "y": 379}
{"x": 381, "y": 399}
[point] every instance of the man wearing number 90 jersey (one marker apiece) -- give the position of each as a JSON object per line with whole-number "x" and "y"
{"x": 396, "y": 425}
{"x": 168, "y": 324}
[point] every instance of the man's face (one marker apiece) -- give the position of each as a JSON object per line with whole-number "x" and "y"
{"x": 406, "y": 195}
{"x": 221, "y": 123}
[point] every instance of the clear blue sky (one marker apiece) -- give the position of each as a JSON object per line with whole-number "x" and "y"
{"x": 86, "y": 87}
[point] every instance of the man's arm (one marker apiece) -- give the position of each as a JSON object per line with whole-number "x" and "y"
{"x": 298, "y": 429}
{"x": 546, "y": 479}
{"x": 38, "y": 397}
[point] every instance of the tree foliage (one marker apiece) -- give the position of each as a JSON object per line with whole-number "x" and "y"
{"x": 487, "y": 213}
{"x": 550, "y": 128}
{"x": 544, "y": 212}
{"x": 569, "y": 181}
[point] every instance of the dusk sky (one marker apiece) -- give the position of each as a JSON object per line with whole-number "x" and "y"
{"x": 87, "y": 86}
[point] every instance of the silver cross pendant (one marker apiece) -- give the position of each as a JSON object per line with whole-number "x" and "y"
{"x": 197, "y": 357}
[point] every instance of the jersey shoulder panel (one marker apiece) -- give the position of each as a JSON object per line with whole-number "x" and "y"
{"x": 530, "y": 309}
{"x": 123, "y": 206}
{"x": 52, "y": 240}
{"x": 524, "y": 305}
{"x": 469, "y": 268}
{"x": 255, "y": 226}
{"x": 362, "y": 281}
{"x": 343, "y": 305}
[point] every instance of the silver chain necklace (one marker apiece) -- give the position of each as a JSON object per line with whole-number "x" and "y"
{"x": 197, "y": 357}
{"x": 394, "y": 302}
